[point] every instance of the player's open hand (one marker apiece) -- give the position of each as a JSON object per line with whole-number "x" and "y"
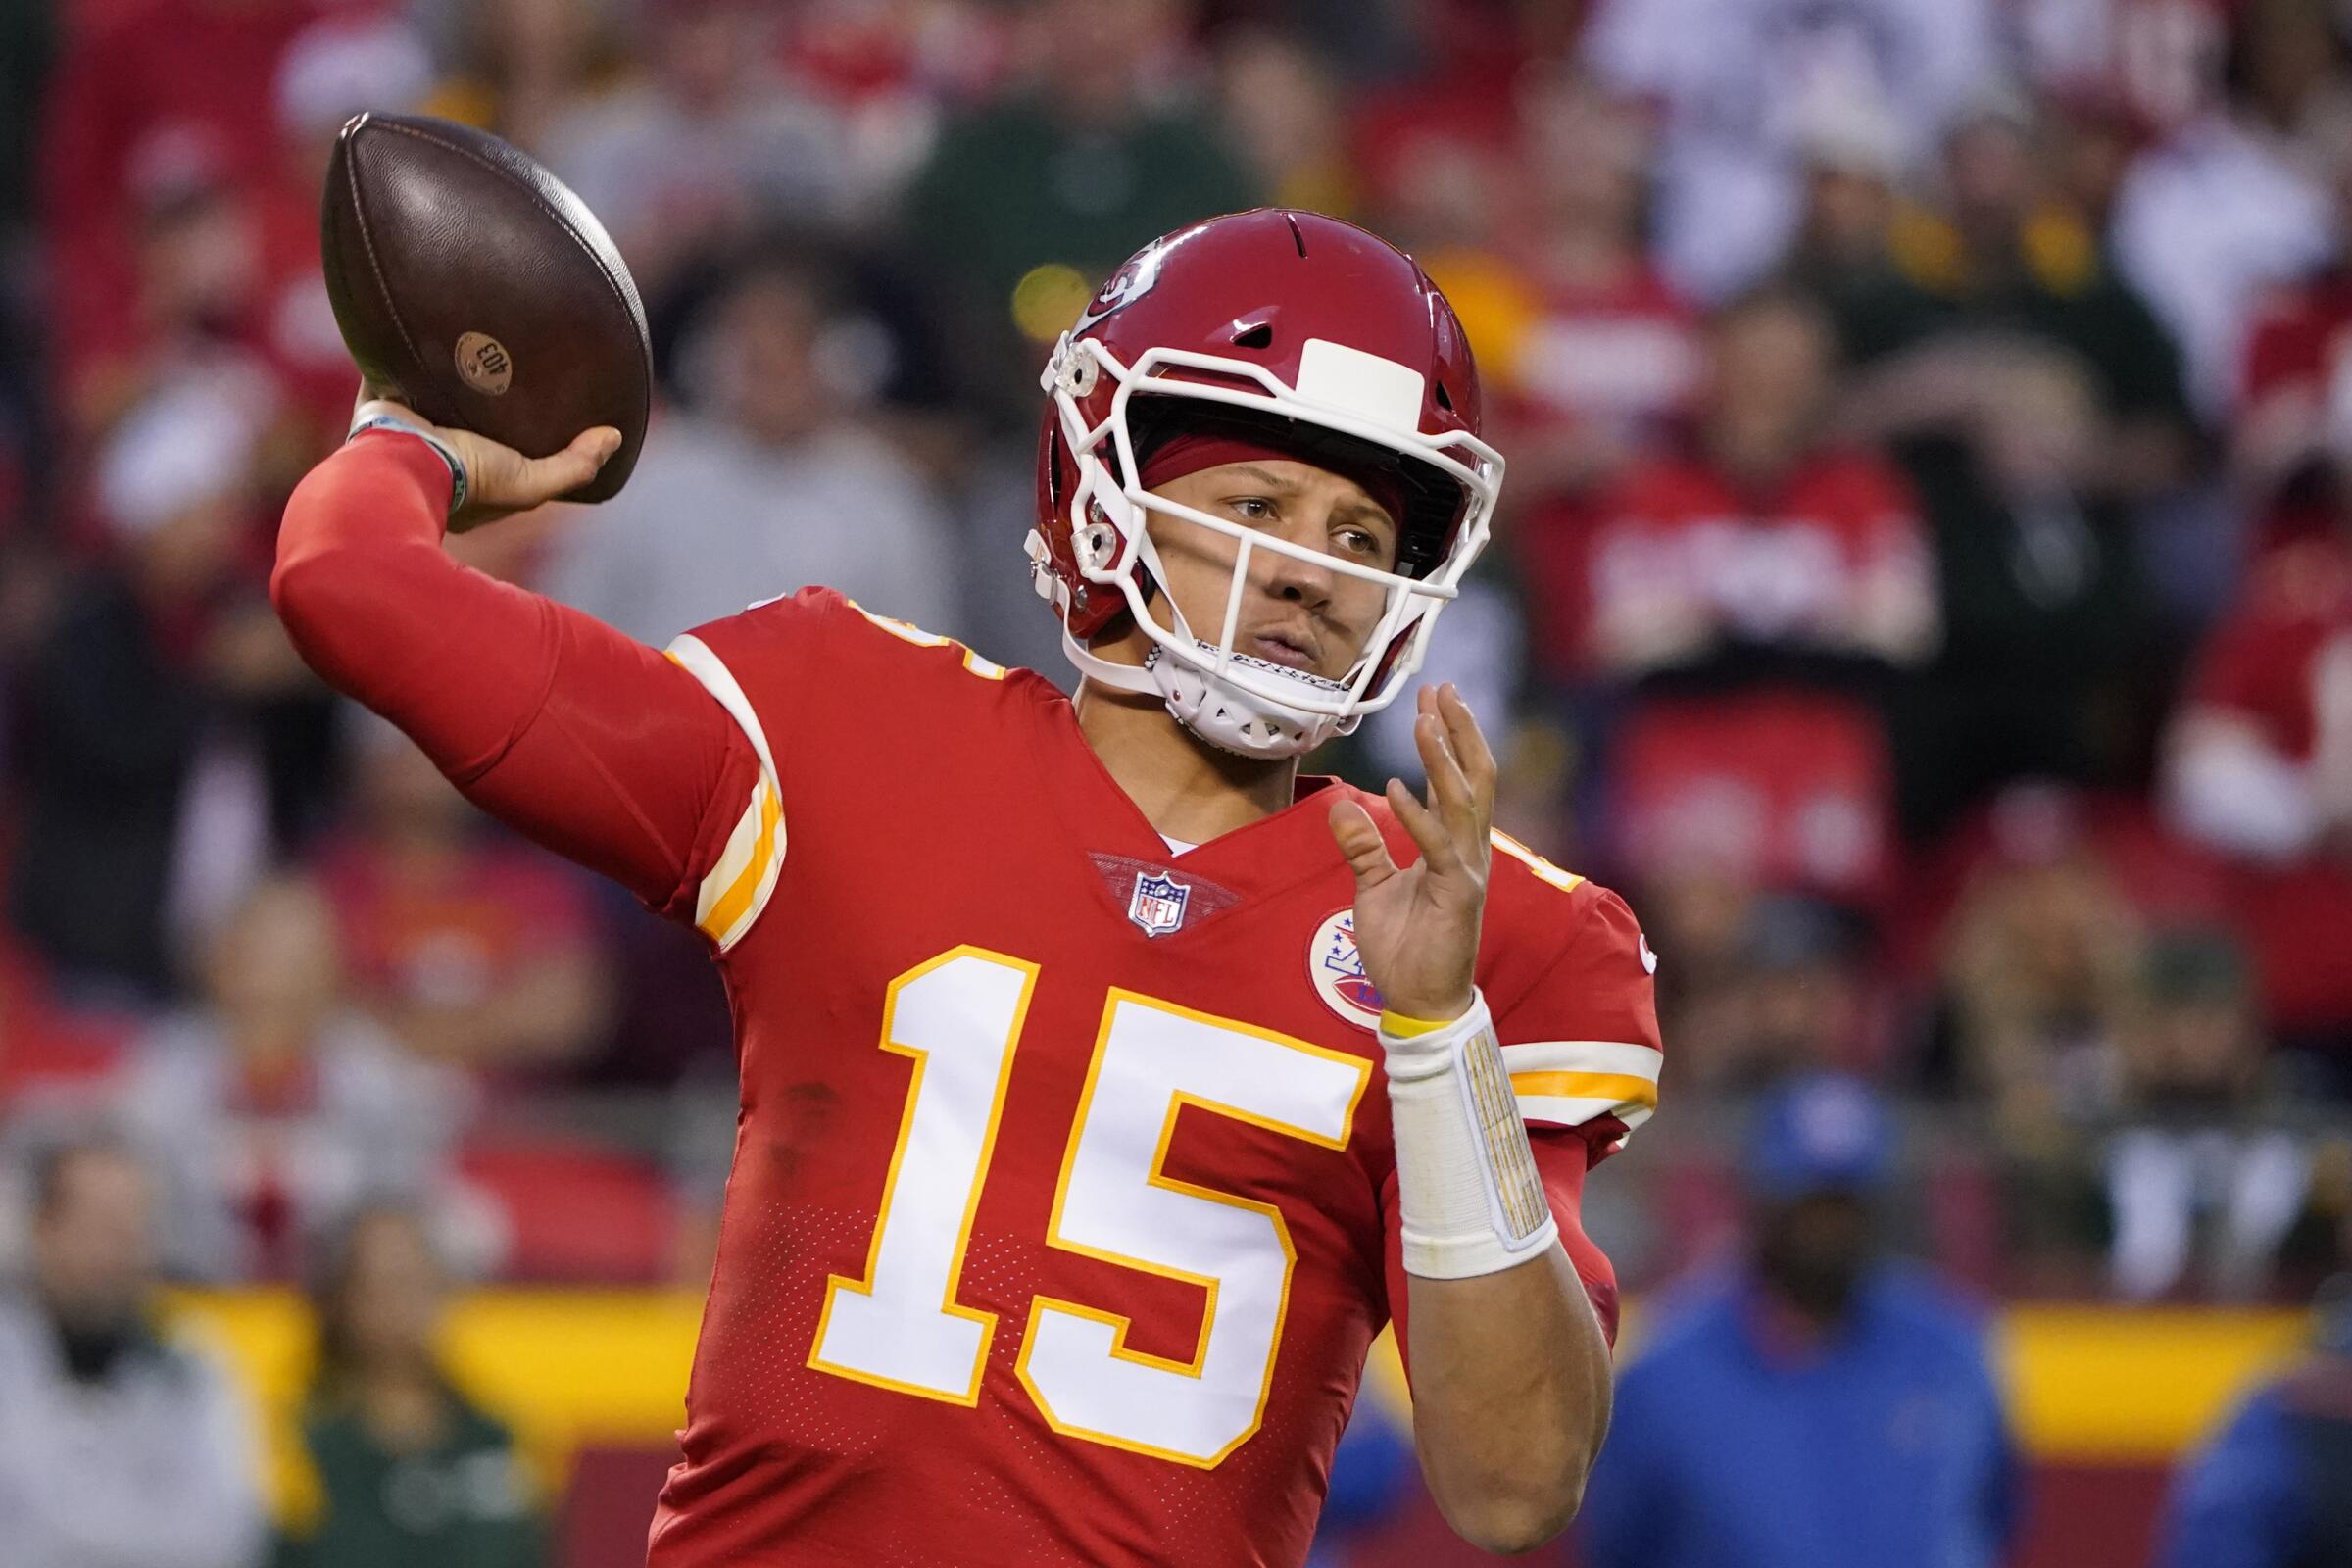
{"x": 1417, "y": 926}
{"x": 500, "y": 480}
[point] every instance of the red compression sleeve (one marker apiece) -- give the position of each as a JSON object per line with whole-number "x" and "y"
{"x": 582, "y": 738}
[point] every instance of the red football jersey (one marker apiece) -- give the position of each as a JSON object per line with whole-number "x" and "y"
{"x": 2264, "y": 665}
{"x": 1626, "y": 358}
{"x": 2294, "y": 353}
{"x": 2262, "y": 661}
{"x": 1794, "y": 564}
{"x": 1064, "y": 1207}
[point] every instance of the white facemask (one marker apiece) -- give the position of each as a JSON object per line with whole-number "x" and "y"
{"x": 1251, "y": 706}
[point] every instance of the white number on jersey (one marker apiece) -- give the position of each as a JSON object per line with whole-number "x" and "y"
{"x": 959, "y": 1016}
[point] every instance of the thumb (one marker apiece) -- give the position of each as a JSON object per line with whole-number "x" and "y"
{"x": 575, "y": 466}
{"x": 1367, "y": 852}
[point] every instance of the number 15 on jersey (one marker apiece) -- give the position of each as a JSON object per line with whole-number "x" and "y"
{"x": 959, "y": 1017}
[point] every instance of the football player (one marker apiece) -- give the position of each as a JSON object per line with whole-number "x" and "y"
{"x": 1107, "y": 1085}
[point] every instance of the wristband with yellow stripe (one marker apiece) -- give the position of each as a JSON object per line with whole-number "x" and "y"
{"x": 1471, "y": 1200}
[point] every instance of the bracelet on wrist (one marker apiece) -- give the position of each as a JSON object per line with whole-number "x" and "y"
{"x": 458, "y": 486}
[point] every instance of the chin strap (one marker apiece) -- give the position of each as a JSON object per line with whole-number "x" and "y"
{"x": 1220, "y": 713}
{"x": 1470, "y": 1198}
{"x": 1244, "y": 722}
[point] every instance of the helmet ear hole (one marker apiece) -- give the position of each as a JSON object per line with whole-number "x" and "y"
{"x": 1260, "y": 336}
{"x": 1444, "y": 398}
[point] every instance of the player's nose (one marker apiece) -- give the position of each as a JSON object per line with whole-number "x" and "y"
{"x": 1299, "y": 581}
{"x": 1304, "y": 576}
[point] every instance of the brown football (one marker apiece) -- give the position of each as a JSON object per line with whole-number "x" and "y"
{"x": 471, "y": 283}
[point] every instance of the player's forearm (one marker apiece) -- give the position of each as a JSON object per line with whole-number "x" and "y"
{"x": 375, "y": 604}
{"x": 1510, "y": 1363}
{"x": 1510, "y": 1399}
{"x": 574, "y": 734}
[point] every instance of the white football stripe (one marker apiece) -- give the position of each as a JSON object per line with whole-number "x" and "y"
{"x": 734, "y": 858}
{"x": 1585, "y": 1056}
{"x": 767, "y": 884}
{"x": 694, "y": 657}
{"x": 704, "y": 665}
{"x": 1367, "y": 385}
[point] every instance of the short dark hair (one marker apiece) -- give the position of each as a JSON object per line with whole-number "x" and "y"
{"x": 328, "y": 1287}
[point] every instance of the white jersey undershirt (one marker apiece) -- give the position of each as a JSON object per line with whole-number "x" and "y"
{"x": 1177, "y": 845}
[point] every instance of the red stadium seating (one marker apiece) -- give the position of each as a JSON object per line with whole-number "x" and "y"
{"x": 575, "y": 1212}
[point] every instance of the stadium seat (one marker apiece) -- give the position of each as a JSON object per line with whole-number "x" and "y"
{"x": 575, "y": 1211}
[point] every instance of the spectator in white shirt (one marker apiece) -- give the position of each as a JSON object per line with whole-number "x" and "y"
{"x": 768, "y": 480}
{"x": 277, "y": 1108}
{"x": 119, "y": 1449}
{"x": 707, "y": 147}
{"x": 1739, "y": 83}
{"x": 2239, "y": 202}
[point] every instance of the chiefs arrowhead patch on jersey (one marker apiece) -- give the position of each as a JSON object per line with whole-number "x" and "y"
{"x": 1337, "y": 968}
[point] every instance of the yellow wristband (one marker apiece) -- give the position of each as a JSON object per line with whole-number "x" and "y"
{"x": 1405, "y": 1026}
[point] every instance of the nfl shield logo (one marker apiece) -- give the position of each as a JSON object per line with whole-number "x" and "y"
{"x": 1157, "y": 907}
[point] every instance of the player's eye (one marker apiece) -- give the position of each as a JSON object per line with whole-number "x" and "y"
{"x": 1252, "y": 509}
{"x": 1365, "y": 544}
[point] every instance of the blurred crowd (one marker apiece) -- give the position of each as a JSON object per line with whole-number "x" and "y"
{"x": 1924, "y": 584}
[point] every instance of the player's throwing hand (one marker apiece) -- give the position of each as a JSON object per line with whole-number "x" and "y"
{"x": 491, "y": 481}
{"x": 1417, "y": 926}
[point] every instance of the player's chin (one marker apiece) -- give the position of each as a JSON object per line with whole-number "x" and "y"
{"x": 1340, "y": 669}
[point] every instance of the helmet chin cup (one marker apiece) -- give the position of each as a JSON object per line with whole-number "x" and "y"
{"x": 1246, "y": 723}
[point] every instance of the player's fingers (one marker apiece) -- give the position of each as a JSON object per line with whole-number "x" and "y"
{"x": 1438, "y": 851}
{"x": 1449, "y": 791}
{"x": 593, "y": 447}
{"x": 1468, "y": 744}
{"x": 1359, "y": 840}
{"x": 1449, "y": 788}
{"x": 1468, "y": 739}
{"x": 544, "y": 478}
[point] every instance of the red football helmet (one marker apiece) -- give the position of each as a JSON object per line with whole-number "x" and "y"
{"x": 1317, "y": 335}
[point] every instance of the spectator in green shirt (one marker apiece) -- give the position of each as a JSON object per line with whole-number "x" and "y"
{"x": 1030, "y": 202}
{"x": 410, "y": 1472}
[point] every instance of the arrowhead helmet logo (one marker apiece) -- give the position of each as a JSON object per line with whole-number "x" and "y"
{"x": 1131, "y": 282}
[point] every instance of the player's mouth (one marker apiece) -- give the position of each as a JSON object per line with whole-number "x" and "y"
{"x": 1279, "y": 647}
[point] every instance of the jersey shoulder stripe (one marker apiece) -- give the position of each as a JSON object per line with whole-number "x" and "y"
{"x": 735, "y": 891}
{"x": 908, "y": 632}
{"x": 1543, "y": 870}
{"x": 1567, "y": 1083}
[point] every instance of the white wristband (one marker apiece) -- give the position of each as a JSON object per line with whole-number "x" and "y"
{"x": 1470, "y": 1198}
{"x": 377, "y": 415}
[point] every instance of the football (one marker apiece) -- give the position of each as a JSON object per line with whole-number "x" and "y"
{"x": 474, "y": 286}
